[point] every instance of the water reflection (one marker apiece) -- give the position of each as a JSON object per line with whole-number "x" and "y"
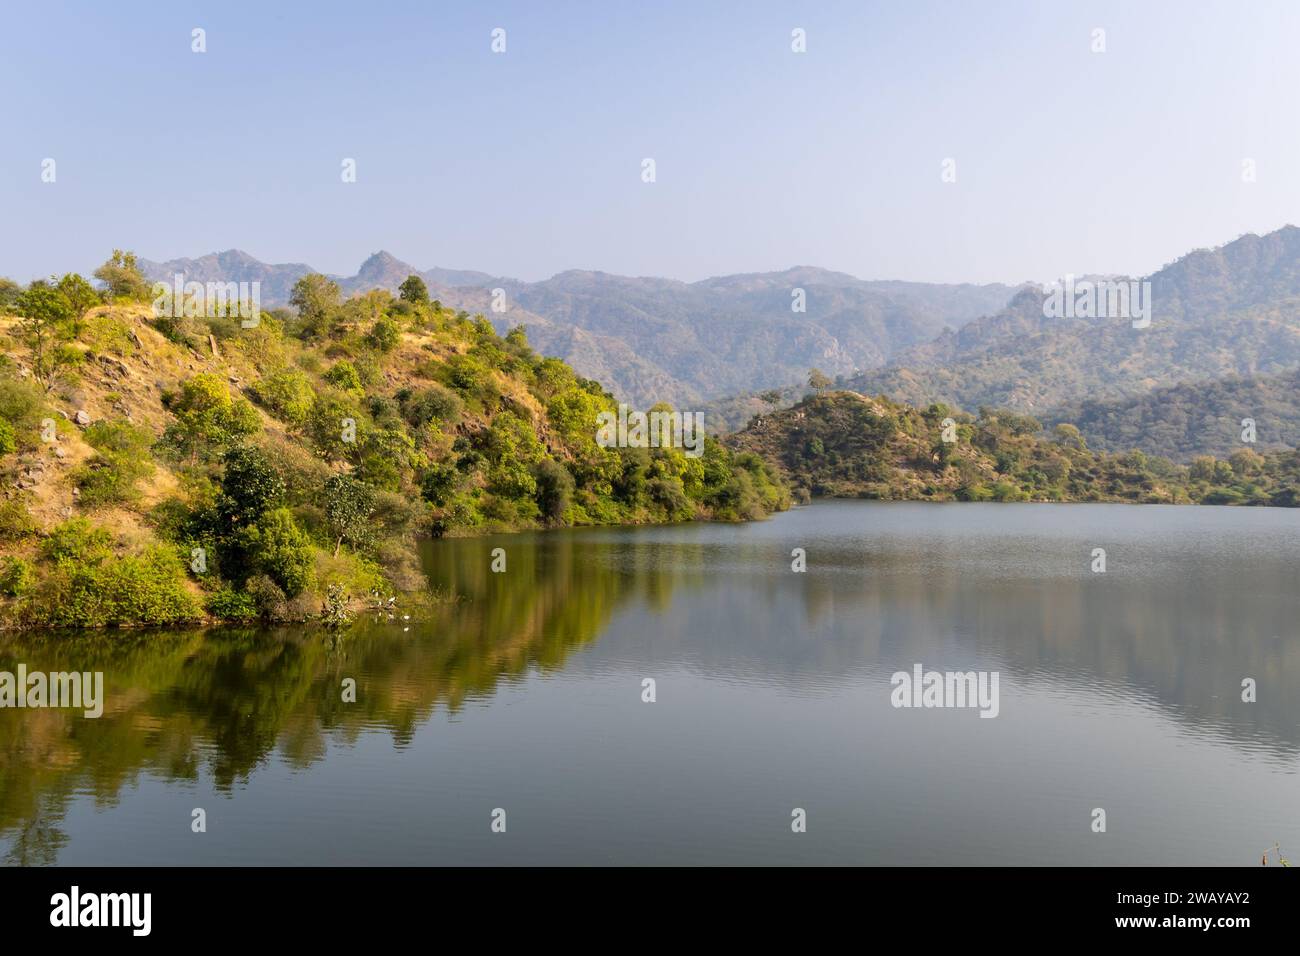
{"x": 1194, "y": 600}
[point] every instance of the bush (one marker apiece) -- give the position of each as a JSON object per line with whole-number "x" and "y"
{"x": 349, "y": 504}
{"x": 434, "y": 403}
{"x": 77, "y": 540}
{"x": 208, "y": 418}
{"x": 278, "y": 548}
{"x": 231, "y": 605}
{"x": 104, "y": 333}
{"x": 438, "y": 483}
{"x": 266, "y": 596}
{"x": 16, "y": 577}
{"x": 8, "y": 441}
{"x": 669, "y": 494}
{"x": 16, "y": 521}
{"x": 384, "y": 335}
{"x": 21, "y": 409}
{"x": 469, "y": 376}
{"x": 110, "y": 477}
{"x": 147, "y": 589}
{"x": 325, "y": 426}
{"x": 288, "y": 394}
{"x": 344, "y": 375}
{"x": 334, "y": 612}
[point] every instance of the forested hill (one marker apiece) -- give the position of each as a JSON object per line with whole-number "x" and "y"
{"x": 844, "y": 444}
{"x": 1195, "y": 418}
{"x": 161, "y": 469}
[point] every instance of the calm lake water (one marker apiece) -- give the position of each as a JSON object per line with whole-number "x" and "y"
{"x": 1120, "y": 690}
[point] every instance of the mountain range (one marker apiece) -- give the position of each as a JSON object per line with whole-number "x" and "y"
{"x": 1222, "y": 344}
{"x": 1215, "y": 313}
{"x": 652, "y": 339}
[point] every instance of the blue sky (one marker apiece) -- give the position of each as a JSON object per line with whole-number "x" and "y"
{"x": 528, "y": 163}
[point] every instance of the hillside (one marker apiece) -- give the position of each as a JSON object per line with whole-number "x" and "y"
{"x": 1196, "y": 418}
{"x": 167, "y": 469}
{"x": 1231, "y": 311}
{"x": 843, "y": 444}
{"x": 651, "y": 339}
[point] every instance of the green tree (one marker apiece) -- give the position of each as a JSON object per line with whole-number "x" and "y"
{"x": 9, "y": 292}
{"x": 434, "y": 403}
{"x": 43, "y": 327}
{"x": 278, "y": 548}
{"x": 349, "y": 504}
{"x": 250, "y": 487}
{"x": 289, "y": 394}
{"x": 81, "y": 296}
{"x": 554, "y": 489}
{"x": 384, "y": 334}
{"x": 517, "y": 337}
{"x": 317, "y": 299}
{"x": 413, "y": 290}
{"x": 818, "y": 380}
{"x": 208, "y": 418}
{"x": 1068, "y": 436}
{"x": 438, "y": 483}
{"x": 122, "y": 277}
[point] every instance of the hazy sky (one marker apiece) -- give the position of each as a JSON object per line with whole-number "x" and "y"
{"x": 527, "y": 163}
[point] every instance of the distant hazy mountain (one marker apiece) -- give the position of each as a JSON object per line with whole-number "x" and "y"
{"x": 1216, "y": 313}
{"x": 231, "y": 266}
{"x": 653, "y": 339}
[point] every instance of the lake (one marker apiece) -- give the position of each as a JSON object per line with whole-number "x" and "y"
{"x": 1120, "y": 690}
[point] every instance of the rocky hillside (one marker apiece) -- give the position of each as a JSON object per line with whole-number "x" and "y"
{"x": 174, "y": 468}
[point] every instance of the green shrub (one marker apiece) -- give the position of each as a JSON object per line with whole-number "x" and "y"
{"x": 21, "y": 408}
{"x": 77, "y": 540}
{"x": 349, "y": 504}
{"x": 437, "y": 483}
{"x": 344, "y": 375}
{"x": 288, "y": 394}
{"x": 16, "y": 577}
{"x": 105, "y": 333}
{"x": 16, "y": 521}
{"x": 469, "y": 376}
{"x": 231, "y": 605}
{"x": 110, "y": 477}
{"x": 434, "y": 403}
{"x": 144, "y": 589}
{"x": 384, "y": 335}
{"x": 555, "y": 490}
{"x": 325, "y": 426}
{"x": 278, "y": 548}
{"x": 669, "y": 494}
{"x": 8, "y": 441}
